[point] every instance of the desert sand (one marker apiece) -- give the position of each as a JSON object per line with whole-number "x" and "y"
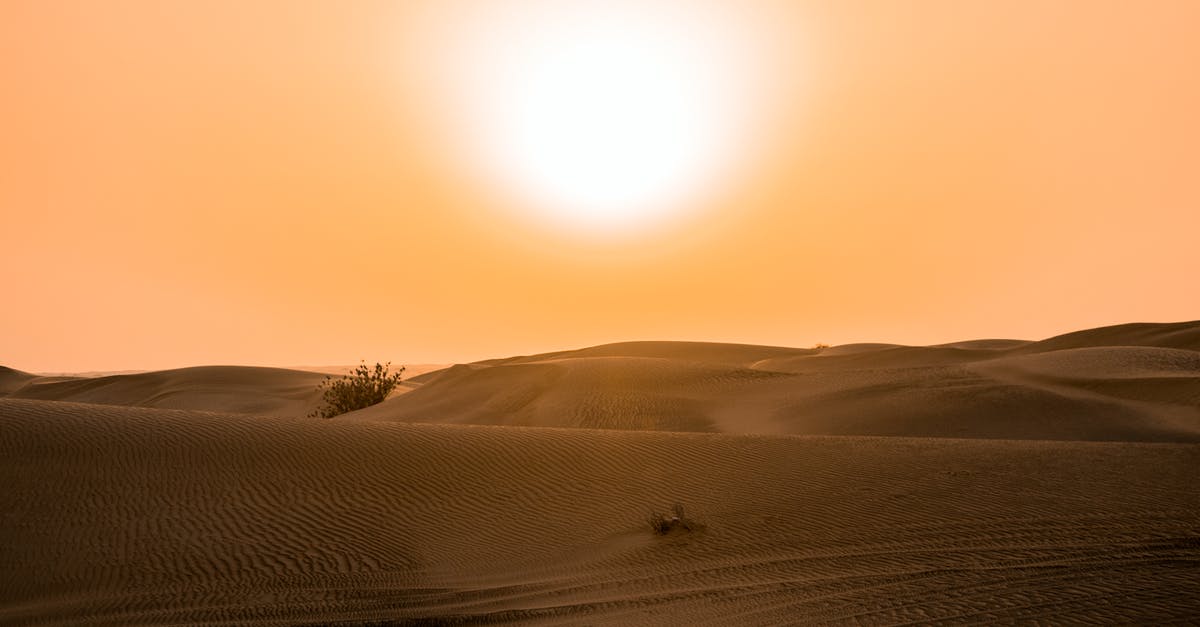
{"x": 987, "y": 481}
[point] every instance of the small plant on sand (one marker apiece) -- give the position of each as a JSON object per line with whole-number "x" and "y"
{"x": 820, "y": 346}
{"x": 362, "y": 388}
{"x": 662, "y": 524}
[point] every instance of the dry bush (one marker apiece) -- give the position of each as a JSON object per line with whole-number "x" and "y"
{"x": 362, "y": 388}
{"x": 662, "y": 524}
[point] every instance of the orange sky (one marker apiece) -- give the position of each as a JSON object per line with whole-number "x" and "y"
{"x": 190, "y": 183}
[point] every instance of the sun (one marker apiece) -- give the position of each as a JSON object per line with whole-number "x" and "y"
{"x": 600, "y": 116}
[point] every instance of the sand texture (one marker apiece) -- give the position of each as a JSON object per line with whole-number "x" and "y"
{"x": 1060, "y": 488}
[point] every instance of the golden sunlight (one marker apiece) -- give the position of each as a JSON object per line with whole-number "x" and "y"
{"x": 599, "y": 312}
{"x": 602, "y": 116}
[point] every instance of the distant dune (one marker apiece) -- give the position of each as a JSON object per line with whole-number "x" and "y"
{"x": 12, "y": 380}
{"x": 238, "y": 389}
{"x": 210, "y": 388}
{"x": 1138, "y": 382}
{"x": 204, "y": 496}
{"x": 410, "y": 370}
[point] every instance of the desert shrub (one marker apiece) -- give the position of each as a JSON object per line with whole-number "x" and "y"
{"x": 820, "y": 346}
{"x": 362, "y": 388}
{"x": 663, "y": 524}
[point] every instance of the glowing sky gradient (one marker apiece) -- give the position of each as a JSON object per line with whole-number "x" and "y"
{"x": 272, "y": 183}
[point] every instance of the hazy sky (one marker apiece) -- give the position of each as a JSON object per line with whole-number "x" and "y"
{"x": 281, "y": 183}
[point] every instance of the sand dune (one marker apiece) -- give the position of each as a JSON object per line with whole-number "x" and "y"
{"x": 589, "y": 392}
{"x": 707, "y": 352}
{"x": 1114, "y": 389}
{"x": 1182, "y": 335}
{"x": 464, "y": 499}
{"x": 1134, "y": 382}
{"x": 209, "y": 388}
{"x": 125, "y": 515}
{"x": 11, "y": 380}
{"x": 410, "y": 370}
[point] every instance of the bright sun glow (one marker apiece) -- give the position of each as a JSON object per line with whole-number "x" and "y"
{"x": 601, "y": 116}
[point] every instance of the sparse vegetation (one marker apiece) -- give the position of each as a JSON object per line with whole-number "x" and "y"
{"x": 362, "y": 388}
{"x": 820, "y": 346}
{"x": 662, "y": 524}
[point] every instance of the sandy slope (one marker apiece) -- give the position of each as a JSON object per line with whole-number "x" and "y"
{"x": 11, "y": 380}
{"x": 237, "y": 389}
{"x": 126, "y": 515}
{"x": 1136, "y": 382}
{"x": 1184, "y": 335}
{"x": 211, "y": 388}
